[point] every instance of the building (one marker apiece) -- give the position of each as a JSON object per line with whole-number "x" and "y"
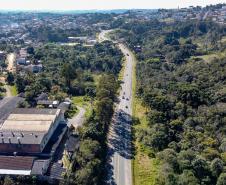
{"x": 27, "y": 131}
{"x": 16, "y": 165}
{"x": 23, "y": 165}
{"x": 21, "y": 61}
{"x": 48, "y": 103}
{"x": 71, "y": 146}
{"x": 2, "y": 55}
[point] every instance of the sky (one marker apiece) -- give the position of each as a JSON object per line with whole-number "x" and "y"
{"x": 100, "y": 4}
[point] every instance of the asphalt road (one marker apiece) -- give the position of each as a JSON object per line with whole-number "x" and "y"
{"x": 7, "y": 105}
{"x": 119, "y": 137}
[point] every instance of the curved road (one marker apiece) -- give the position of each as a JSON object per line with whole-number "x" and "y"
{"x": 78, "y": 119}
{"x": 119, "y": 136}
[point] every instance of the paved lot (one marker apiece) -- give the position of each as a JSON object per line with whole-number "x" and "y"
{"x": 7, "y": 105}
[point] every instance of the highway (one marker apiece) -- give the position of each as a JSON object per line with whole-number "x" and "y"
{"x": 119, "y": 136}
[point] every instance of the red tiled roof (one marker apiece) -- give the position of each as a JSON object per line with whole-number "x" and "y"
{"x": 16, "y": 162}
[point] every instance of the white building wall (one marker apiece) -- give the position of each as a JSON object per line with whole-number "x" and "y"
{"x": 52, "y": 129}
{"x": 15, "y": 172}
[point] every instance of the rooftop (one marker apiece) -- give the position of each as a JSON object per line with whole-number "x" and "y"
{"x": 16, "y": 163}
{"x": 35, "y": 111}
{"x": 27, "y": 126}
{"x": 35, "y": 120}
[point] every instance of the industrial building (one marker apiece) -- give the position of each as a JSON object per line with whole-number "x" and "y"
{"x": 27, "y": 131}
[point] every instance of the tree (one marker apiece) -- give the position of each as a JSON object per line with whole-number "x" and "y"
{"x": 217, "y": 167}
{"x": 10, "y": 78}
{"x": 22, "y": 104}
{"x": 171, "y": 179}
{"x": 188, "y": 178}
{"x": 201, "y": 167}
{"x": 221, "y": 179}
{"x": 8, "y": 181}
{"x": 69, "y": 73}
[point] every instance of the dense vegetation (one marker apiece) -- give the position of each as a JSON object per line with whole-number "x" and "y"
{"x": 89, "y": 161}
{"x": 184, "y": 96}
{"x": 69, "y": 70}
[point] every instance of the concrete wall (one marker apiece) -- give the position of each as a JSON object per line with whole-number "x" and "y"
{"x": 52, "y": 129}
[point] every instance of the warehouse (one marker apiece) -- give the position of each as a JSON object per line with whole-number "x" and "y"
{"x": 27, "y": 131}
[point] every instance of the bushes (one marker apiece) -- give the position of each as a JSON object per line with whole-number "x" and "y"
{"x": 185, "y": 99}
{"x": 88, "y": 163}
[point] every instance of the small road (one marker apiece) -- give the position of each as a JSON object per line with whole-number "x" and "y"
{"x": 8, "y": 92}
{"x": 119, "y": 136}
{"x": 10, "y": 60}
{"x": 78, "y": 119}
{"x": 7, "y": 105}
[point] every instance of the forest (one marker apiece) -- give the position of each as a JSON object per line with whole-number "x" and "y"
{"x": 90, "y": 72}
{"x": 182, "y": 87}
{"x": 69, "y": 70}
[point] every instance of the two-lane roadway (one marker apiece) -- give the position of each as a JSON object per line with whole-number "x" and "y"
{"x": 119, "y": 136}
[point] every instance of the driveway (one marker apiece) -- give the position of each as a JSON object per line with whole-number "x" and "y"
{"x": 78, "y": 119}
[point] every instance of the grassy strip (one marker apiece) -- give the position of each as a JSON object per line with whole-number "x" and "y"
{"x": 83, "y": 101}
{"x": 144, "y": 168}
{"x": 121, "y": 73}
{"x": 13, "y": 90}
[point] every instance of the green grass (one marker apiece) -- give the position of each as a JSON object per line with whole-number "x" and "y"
{"x": 13, "y": 90}
{"x": 145, "y": 169}
{"x": 121, "y": 73}
{"x": 85, "y": 102}
{"x": 209, "y": 57}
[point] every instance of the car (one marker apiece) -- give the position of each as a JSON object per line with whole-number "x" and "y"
{"x": 127, "y": 99}
{"x": 127, "y": 54}
{"x": 126, "y": 107}
{"x": 123, "y": 97}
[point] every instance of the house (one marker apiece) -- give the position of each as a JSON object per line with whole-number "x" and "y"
{"x": 21, "y": 61}
{"x": 40, "y": 167}
{"x": 71, "y": 146}
{"x": 48, "y": 103}
{"x": 42, "y": 96}
{"x": 33, "y": 68}
{"x": 2, "y": 55}
{"x": 23, "y": 53}
{"x": 16, "y": 165}
{"x": 23, "y": 165}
